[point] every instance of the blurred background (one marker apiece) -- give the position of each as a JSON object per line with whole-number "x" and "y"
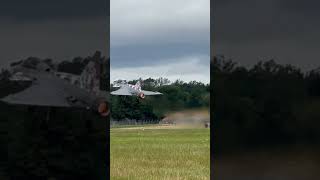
{"x": 65, "y": 35}
{"x": 265, "y": 89}
{"x": 181, "y": 103}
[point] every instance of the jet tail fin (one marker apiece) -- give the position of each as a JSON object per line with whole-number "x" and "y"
{"x": 89, "y": 78}
{"x": 94, "y": 77}
{"x": 138, "y": 86}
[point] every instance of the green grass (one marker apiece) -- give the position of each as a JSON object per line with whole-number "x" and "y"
{"x": 160, "y": 154}
{"x": 130, "y": 126}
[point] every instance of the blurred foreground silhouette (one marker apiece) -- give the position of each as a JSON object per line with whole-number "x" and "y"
{"x": 265, "y": 121}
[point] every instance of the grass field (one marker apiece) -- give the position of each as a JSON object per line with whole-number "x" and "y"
{"x": 160, "y": 153}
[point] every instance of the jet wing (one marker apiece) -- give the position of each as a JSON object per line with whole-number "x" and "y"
{"x": 48, "y": 90}
{"x": 150, "y": 93}
{"x": 123, "y": 91}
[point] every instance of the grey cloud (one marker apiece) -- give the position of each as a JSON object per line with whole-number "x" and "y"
{"x": 149, "y": 33}
{"x": 154, "y": 54}
{"x": 253, "y": 30}
{"x": 308, "y": 8}
{"x": 59, "y": 40}
{"x": 166, "y": 21}
{"x": 160, "y": 39}
{"x": 35, "y": 10}
{"x": 54, "y": 29}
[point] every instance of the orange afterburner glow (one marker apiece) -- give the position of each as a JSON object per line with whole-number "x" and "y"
{"x": 103, "y": 109}
{"x": 141, "y": 95}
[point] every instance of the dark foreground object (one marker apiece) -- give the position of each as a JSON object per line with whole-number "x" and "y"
{"x": 276, "y": 164}
{"x": 70, "y": 145}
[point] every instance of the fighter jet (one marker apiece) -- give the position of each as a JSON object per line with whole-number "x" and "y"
{"x": 51, "y": 88}
{"x": 133, "y": 90}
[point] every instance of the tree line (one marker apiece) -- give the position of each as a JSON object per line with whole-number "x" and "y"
{"x": 177, "y": 95}
{"x": 268, "y": 104}
{"x": 62, "y": 148}
{"x": 36, "y": 149}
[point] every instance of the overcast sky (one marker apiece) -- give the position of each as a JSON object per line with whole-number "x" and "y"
{"x": 251, "y": 30}
{"x": 167, "y": 38}
{"x": 56, "y": 29}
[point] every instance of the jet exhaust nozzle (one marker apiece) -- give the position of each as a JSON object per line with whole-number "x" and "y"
{"x": 103, "y": 109}
{"x": 141, "y": 95}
